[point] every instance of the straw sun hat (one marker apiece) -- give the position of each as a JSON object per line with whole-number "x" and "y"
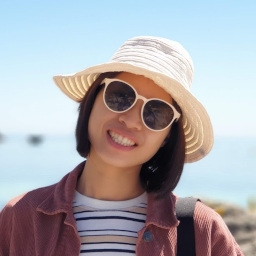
{"x": 169, "y": 65}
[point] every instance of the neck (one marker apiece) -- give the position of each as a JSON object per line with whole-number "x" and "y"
{"x": 107, "y": 182}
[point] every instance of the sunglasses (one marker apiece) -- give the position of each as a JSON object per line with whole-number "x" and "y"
{"x": 156, "y": 114}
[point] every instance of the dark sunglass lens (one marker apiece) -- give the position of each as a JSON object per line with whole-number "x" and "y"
{"x": 119, "y": 96}
{"x": 157, "y": 114}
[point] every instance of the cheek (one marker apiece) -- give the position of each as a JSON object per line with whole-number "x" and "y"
{"x": 162, "y": 136}
{"x": 99, "y": 116}
{"x": 90, "y": 126}
{"x": 155, "y": 142}
{"x": 160, "y": 140}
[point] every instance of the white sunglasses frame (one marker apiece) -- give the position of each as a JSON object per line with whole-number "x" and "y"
{"x": 107, "y": 81}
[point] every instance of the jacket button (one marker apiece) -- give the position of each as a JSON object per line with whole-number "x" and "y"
{"x": 147, "y": 236}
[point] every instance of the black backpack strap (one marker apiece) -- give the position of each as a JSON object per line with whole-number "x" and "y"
{"x": 185, "y": 231}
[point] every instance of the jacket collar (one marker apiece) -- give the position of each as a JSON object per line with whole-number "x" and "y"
{"x": 160, "y": 211}
{"x": 61, "y": 197}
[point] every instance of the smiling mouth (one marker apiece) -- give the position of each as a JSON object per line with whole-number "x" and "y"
{"x": 119, "y": 139}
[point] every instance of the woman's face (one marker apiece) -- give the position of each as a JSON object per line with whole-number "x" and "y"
{"x": 107, "y": 130}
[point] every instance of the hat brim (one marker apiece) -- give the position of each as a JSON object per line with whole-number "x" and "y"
{"x": 196, "y": 122}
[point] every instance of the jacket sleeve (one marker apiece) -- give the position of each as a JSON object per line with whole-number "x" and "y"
{"x": 6, "y": 217}
{"x": 212, "y": 235}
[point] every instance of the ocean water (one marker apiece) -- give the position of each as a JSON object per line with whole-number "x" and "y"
{"x": 228, "y": 173}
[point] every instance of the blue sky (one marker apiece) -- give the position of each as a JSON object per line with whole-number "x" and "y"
{"x": 40, "y": 39}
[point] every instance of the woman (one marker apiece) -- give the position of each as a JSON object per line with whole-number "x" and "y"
{"x": 138, "y": 124}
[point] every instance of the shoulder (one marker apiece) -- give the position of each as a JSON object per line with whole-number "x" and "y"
{"x": 206, "y": 219}
{"x": 205, "y": 215}
{"x": 212, "y": 234}
{"x": 28, "y": 201}
{"x": 19, "y": 214}
{"x": 34, "y": 198}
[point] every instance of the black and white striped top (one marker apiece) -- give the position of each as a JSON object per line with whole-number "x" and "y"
{"x": 109, "y": 227}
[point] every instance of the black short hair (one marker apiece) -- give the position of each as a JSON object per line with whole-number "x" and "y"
{"x": 162, "y": 172}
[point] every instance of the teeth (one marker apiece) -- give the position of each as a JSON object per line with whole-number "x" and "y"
{"x": 121, "y": 140}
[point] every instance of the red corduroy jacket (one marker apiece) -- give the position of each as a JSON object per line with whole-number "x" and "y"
{"x": 41, "y": 223}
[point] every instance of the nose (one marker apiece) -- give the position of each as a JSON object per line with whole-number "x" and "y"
{"x": 132, "y": 118}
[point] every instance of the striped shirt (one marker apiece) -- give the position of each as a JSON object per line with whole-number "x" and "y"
{"x": 109, "y": 227}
